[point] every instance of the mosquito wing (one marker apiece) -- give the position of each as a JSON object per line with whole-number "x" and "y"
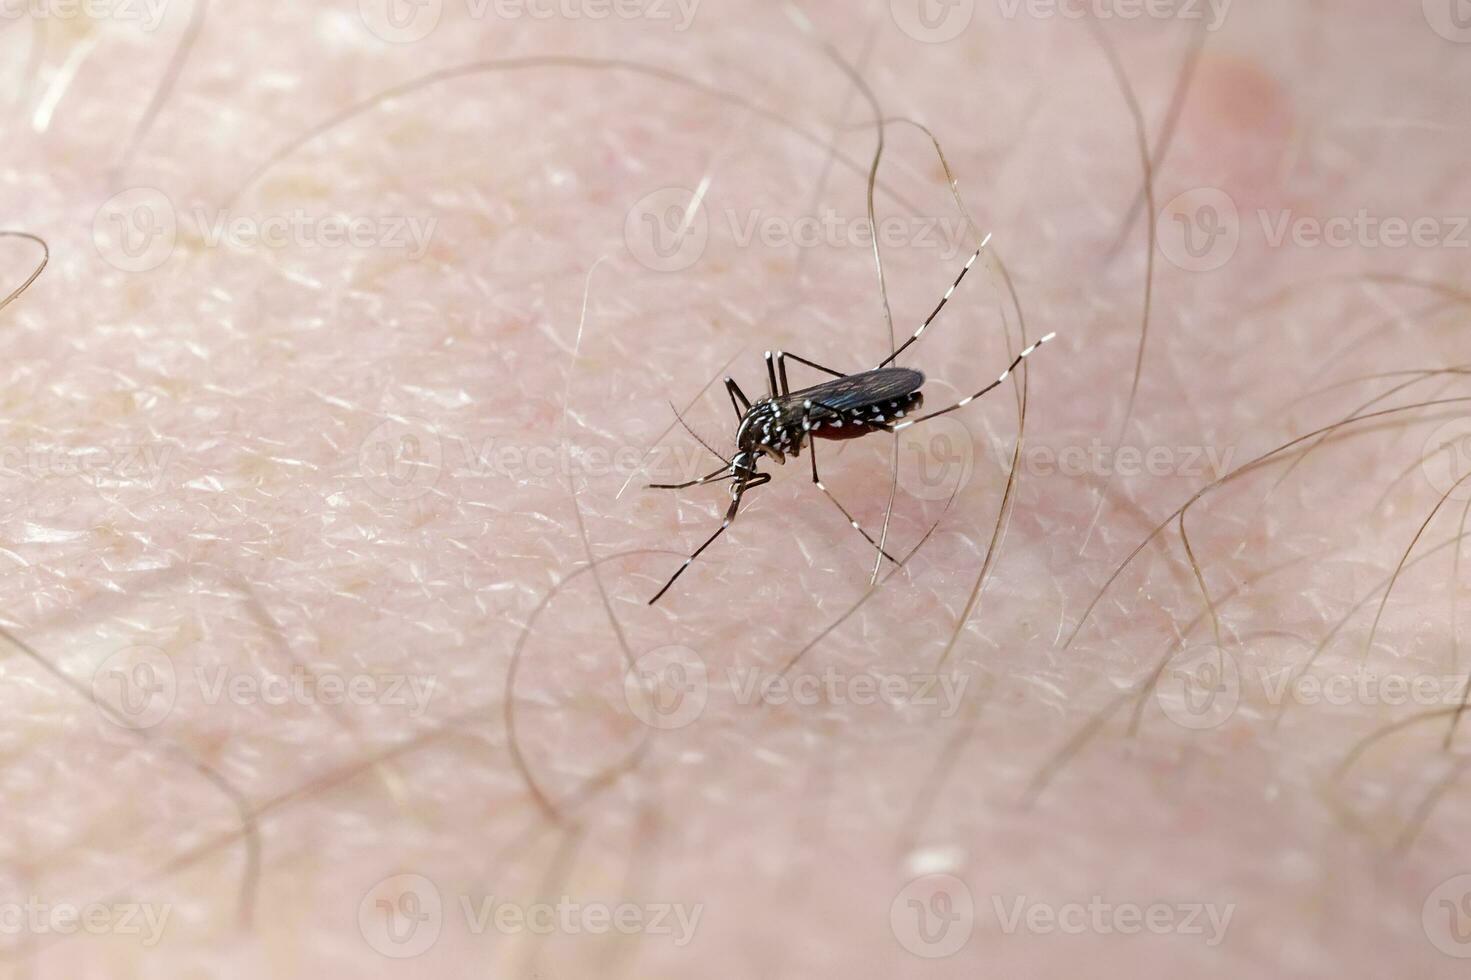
{"x": 856, "y": 391}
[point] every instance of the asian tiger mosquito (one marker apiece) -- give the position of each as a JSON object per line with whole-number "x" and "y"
{"x": 847, "y": 407}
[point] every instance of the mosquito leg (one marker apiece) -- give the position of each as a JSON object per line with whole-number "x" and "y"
{"x": 771, "y": 375}
{"x": 721, "y": 474}
{"x": 812, "y": 448}
{"x": 970, "y": 398}
{"x": 735, "y": 502}
{"x": 781, "y": 366}
{"x": 738, "y": 399}
{"x": 936, "y": 311}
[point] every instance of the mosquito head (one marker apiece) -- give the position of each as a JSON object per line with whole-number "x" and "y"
{"x": 759, "y": 432}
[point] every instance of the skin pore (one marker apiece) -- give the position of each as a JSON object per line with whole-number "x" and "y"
{"x": 328, "y": 555}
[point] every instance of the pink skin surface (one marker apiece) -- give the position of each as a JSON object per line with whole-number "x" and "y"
{"x": 308, "y": 445}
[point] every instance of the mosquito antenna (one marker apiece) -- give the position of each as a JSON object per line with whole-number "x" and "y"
{"x": 692, "y": 432}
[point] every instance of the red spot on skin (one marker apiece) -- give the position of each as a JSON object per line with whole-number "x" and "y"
{"x": 1238, "y": 123}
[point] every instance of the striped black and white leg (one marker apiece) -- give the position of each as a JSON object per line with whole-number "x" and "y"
{"x": 970, "y": 398}
{"x": 735, "y": 503}
{"x": 938, "y": 307}
{"x": 781, "y": 367}
{"x": 817, "y": 481}
{"x": 738, "y": 399}
{"x": 723, "y": 473}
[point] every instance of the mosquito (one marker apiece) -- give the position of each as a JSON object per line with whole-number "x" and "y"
{"x": 847, "y": 407}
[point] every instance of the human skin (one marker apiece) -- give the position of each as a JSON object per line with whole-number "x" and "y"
{"x": 387, "y": 466}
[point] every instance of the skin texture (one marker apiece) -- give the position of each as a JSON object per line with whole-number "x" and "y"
{"x": 395, "y": 466}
